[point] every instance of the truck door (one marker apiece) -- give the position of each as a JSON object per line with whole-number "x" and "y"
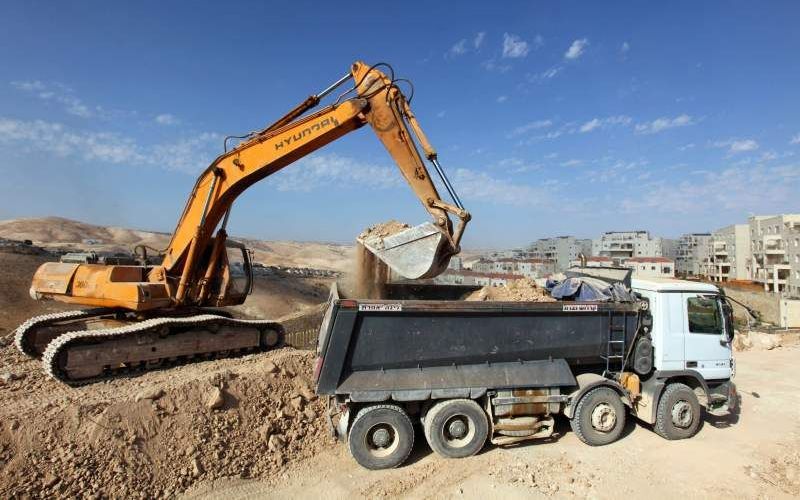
{"x": 706, "y": 346}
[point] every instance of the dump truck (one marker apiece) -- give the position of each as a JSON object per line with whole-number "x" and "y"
{"x": 471, "y": 372}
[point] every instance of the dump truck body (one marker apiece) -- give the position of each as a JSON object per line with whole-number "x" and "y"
{"x": 472, "y": 371}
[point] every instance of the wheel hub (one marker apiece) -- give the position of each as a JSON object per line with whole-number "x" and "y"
{"x": 457, "y": 429}
{"x": 381, "y": 438}
{"x": 604, "y": 418}
{"x": 682, "y": 414}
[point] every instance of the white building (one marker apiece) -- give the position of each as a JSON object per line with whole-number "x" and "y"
{"x": 730, "y": 253}
{"x": 530, "y": 268}
{"x": 622, "y": 245}
{"x": 651, "y": 267}
{"x": 775, "y": 250}
{"x": 594, "y": 261}
{"x": 561, "y": 250}
{"x": 467, "y": 277}
{"x": 694, "y": 254}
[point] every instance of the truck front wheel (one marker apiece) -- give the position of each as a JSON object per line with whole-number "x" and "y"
{"x": 599, "y": 417}
{"x": 456, "y": 428}
{"x": 381, "y": 437}
{"x": 679, "y": 413}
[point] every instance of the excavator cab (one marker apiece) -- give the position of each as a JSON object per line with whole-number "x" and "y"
{"x": 236, "y": 279}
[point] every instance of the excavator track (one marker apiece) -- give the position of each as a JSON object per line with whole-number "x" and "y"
{"x": 25, "y": 335}
{"x": 86, "y": 356}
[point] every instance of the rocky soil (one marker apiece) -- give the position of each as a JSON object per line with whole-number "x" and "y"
{"x": 521, "y": 290}
{"x": 158, "y": 434}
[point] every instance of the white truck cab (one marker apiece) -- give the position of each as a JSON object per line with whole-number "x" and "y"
{"x": 691, "y": 337}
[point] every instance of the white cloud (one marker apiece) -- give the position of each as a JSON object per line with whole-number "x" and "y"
{"x": 514, "y": 47}
{"x": 478, "y": 40}
{"x": 518, "y": 165}
{"x": 795, "y": 139}
{"x": 576, "y": 49}
{"x": 60, "y": 94}
{"x": 441, "y": 114}
{"x": 321, "y": 170}
{"x": 736, "y": 146}
{"x": 493, "y": 65}
{"x": 686, "y": 147}
{"x": 548, "y": 73}
{"x": 534, "y": 125}
{"x": 590, "y": 125}
{"x": 664, "y": 123}
{"x": 538, "y": 41}
{"x": 480, "y": 186}
{"x": 166, "y": 119}
{"x": 459, "y": 48}
{"x": 624, "y": 48}
{"x": 738, "y": 190}
{"x": 597, "y": 123}
{"x": 501, "y": 99}
{"x": 572, "y": 163}
{"x": 189, "y": 154}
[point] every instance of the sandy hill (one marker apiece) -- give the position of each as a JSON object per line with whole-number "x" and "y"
{"x": 60, "y": 232}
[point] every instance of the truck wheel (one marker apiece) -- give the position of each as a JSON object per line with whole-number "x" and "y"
{"x": 599, "y": 417}
{"x": 456, "y": 428}
{"x": 679, "y": 413}
{"x": 381, "y": 437}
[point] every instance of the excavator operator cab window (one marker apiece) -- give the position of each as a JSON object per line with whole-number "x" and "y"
{"x": 238, "y": 270}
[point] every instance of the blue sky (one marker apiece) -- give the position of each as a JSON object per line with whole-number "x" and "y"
{"x": 551, "y": 118}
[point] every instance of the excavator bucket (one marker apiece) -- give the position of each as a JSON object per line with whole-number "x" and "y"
{"x": 418, "y": 252}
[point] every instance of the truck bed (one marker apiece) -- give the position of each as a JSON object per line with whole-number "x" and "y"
{"x": 391, "y": 345}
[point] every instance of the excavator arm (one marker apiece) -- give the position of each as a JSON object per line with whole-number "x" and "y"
{"x": 422, "y": 252}
{"x": 195, "y": 257}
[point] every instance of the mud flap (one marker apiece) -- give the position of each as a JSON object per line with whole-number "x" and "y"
{"x": 422, "y": 251}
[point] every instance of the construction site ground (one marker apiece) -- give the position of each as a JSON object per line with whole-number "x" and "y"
{"x": 251, "y": 427}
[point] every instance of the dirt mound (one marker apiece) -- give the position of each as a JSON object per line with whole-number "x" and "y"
{"x": 16, "y": 305}
{"x": 156, "y": 435}
{"x": 521, "y": 290}
{"x": 384, "y": 229}
{"x": 57, "y": 232}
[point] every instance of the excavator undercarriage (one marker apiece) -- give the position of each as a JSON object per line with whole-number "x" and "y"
{"x": 145, "y": 316}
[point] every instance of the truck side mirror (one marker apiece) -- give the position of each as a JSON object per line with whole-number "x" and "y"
{"x": 727, "y": 314}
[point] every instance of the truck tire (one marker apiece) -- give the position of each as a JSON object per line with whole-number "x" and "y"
{"x": 381, "y": 437}
{"x": 456, "y": 428}
{"x": 599, "y": 417}
{"x": 679, "y": 413}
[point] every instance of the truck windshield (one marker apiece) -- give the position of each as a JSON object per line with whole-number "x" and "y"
{"x": 704, "y": 315}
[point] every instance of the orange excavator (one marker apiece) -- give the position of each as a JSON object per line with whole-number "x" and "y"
{"x": 145, "y": 315}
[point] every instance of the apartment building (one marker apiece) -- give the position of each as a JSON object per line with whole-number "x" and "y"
{"x": 775, "y": 252}
{"x": 622, "y": 245}
{"x": 529, "y": 268}
{"x": 594, "y": 261}
{"x": 561, "y": 250}
{"x": 669, "y": 248}
{"x": 729, "y": 253}
{"x": 693, "y": 254}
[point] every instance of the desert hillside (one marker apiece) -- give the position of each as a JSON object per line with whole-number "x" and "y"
{"x": 59, "y": 232}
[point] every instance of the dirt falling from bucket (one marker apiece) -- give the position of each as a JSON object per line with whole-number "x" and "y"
{"x": 372, "y": 274}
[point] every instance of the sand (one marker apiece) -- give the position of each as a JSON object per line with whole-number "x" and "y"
{"x": 521, "y": 290}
